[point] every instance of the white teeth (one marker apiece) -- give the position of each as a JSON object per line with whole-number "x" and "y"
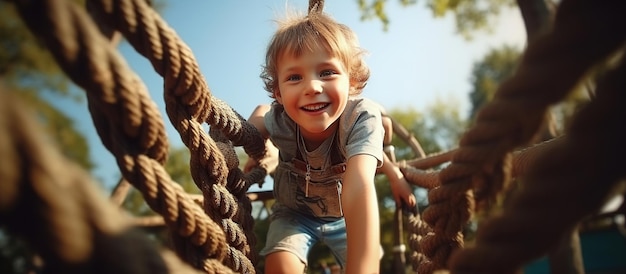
{"x": 314, "y": 107}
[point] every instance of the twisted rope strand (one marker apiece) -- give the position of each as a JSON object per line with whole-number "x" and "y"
{"x": 171, "y": 58}
{"x": 188, "y": 103}
{"x": 550, "y": 68}
{"x": 76, "y": 47}
{"x": 584, "y": 167}
{"x": 84, "y": 232}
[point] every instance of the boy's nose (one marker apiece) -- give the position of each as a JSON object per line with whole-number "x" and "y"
{"x": 314, "y": 87}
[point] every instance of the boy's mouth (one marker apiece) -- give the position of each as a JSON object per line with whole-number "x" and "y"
{"x": 315, "y": 107}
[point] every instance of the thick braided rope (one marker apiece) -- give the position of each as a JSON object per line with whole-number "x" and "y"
{"x": 316, "y": 6}
{"x": 57, "y": 209}
{"x": 584, "y": 168}
{"x": 430, "y": 161}
{"x": 418, "y": 229}
{"x": 188, "y": 103}
{"x": 82, "y": 52}
{"x": 171, "y": 58}
{"x": 236, "y": 183}
{"x": 414, "y": 173}
{"x": 550, "y": 68}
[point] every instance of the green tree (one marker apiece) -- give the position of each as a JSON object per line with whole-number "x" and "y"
{"x": 28, "y": 69}
{"x": 488, "y": 73}
{"x": 437, "y": 129}
{"x": 469, "y": 15}
{"x": 414, "y": 121}
{"x": 500, "y": 64}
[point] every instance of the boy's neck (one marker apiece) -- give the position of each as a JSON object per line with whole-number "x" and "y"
{"x": 312, "y": 140}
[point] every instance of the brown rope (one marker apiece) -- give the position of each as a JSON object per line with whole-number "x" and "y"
{"x": 123, "y": 120}
{"x": 408, "y": 138}
{"x": 417, "y": 229}
{"x": 417, "y": 171}
{"x": 414, "y": 173}
{"x": 84, "y": 232}
{"x": 115, "y": 93}
{"x": 550, "y": 68}
{"x": 189, "y": 103}
{"x": 429, "y": 161}
{"x": 585, "y": 167}
{"x": 316, "y": 6}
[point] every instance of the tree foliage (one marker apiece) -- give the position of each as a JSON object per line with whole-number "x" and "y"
{"x": 437, "y": 129}
{"x": 500, "y": 64}
{"x": 488, "y": 73}
{"x": 28, "y": 69}
{"x": 25, "y": 63}
{"x": 469, "y": 15}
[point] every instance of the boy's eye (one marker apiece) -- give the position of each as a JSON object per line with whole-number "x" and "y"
{"x": 294, "y": 77}
{"x": 327, "y": 73}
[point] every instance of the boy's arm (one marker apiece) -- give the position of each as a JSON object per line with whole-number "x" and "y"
{"x": 270, "y": 160}
{"x": 400, "y": 188}
{"x": 360, "y": 207}
{"x": 257, "y": 119}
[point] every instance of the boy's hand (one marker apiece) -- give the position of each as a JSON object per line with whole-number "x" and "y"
{"x": 269, "y": 162}
{"x": 402, "y": 192}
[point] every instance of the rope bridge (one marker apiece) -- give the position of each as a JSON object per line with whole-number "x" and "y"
{"x": 85, "y": 233}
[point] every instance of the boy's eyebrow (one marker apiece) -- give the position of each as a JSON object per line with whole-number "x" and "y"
{"x": 296, "y": 66}
{"x": 289, "y": 69}
{"x": 327, "y": 63}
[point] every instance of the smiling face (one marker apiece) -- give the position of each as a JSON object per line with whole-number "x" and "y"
{"x": 314, "y": 88}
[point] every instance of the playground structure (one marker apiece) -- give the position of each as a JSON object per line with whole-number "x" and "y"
{"x": 85, "y": 233}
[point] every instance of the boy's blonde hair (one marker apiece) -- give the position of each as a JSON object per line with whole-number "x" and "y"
{"x": 299, "y": 34}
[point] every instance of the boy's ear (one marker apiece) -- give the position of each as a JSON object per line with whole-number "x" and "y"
{"x": 353, "y": 87}
{"x": 277, "y": 96}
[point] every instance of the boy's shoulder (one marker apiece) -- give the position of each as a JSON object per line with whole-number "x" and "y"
{"x": 361, "y": 128}
{"x": 360, "y": 110}
{"x": 359, "y": 104}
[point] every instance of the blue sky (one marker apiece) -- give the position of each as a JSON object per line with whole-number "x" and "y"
{"x": 417, "y": 61}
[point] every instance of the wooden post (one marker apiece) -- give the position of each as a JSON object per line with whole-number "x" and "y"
{"x": 399, "y": 249}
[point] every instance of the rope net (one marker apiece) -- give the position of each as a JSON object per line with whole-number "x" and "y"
{"x": 87, "y": 234}
{"x": 129, "y": 124}
{"x": 583, "y": 164}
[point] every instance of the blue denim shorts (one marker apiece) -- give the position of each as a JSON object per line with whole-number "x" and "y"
{"x": 297, "y": 233}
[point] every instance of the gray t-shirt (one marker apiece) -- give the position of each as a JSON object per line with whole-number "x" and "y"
{"x": 360, "y": 130}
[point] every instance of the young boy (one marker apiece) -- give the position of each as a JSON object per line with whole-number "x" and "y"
{"x": 329, "y": 143}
